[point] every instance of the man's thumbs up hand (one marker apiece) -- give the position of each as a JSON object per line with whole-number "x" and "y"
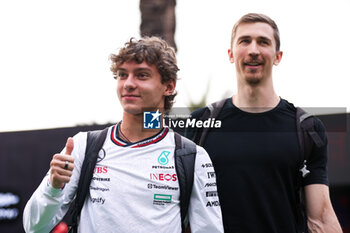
{"x": 69, "y": 146}
{"x": 61, "y": 166}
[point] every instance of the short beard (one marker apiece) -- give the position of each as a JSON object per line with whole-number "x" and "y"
{"x": 253, "y": 81}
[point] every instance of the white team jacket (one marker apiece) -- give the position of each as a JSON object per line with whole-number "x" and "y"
{"x": 134, "y": 189}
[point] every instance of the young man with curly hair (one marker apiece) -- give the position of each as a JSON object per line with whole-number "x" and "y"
{"x": 135, "y": 186}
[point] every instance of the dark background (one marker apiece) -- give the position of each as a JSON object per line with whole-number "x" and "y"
{"x": 25, "y": 158}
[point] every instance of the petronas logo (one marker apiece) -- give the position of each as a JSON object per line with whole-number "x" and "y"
{"x": 163, "y": 158}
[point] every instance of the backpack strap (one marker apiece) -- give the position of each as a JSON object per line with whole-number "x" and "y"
{"x": 211, "y": 111}
{"x": 308, "y": 138}
{"x": 185, "y": 156}
{"x": 95, "y": 140}
{"x": 307, "y": 135}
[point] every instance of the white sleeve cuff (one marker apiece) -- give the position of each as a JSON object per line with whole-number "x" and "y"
{"x": 51, "y": 191}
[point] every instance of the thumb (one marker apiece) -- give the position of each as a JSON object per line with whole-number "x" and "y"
{"x": 69, "y": 146}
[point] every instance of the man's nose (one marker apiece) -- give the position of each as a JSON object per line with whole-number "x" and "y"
{"x": 253, "y": 49}
{"x": 129, "y": 83}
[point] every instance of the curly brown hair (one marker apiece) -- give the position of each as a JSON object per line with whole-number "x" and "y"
{"x": 154, "y": 51}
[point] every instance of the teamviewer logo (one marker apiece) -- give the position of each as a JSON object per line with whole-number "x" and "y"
{"x": 152, "y": 120}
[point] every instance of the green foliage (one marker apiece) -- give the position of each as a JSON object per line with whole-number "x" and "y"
{"x": 202, "y": 103}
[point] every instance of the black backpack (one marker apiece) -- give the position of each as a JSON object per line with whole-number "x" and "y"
{"x": 185, "y": 155}
{"x": 307, "y": 137}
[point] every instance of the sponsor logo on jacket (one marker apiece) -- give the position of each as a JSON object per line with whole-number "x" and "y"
{"x": 211, "y": 194}
{"x": 97, "y": 200}
{"x": 213, "y": 203}
{"x": 165, "y": 187}
{"x": 162, "y": 199}
{"x": 211, "y": 175}
{"x": 210, "y": 185}
{"x": 101, "y": 170}
{"x": 163, "y": 176}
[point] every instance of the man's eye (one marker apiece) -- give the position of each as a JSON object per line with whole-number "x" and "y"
{"x": 122, "y": 75}
{"x": 245, "y": 41}
{"x": 142, "y": 75}
{"x": 264, "y": 42}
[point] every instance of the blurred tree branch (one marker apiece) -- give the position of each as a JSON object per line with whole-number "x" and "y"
{"x": 158, "y": 19}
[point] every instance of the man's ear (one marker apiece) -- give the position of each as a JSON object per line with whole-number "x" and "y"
{"x": 170, "y": 87}
{"x": 278, "y": 58}
{"x": 230, "y": 56}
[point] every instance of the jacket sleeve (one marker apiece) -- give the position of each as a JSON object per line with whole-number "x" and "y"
{"x": 204, "y": 209}
{"x": 47, "y": 206}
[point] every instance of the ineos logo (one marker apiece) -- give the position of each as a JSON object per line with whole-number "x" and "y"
{"x": 101, "y": 155}
{"x": 163, "y": 177}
